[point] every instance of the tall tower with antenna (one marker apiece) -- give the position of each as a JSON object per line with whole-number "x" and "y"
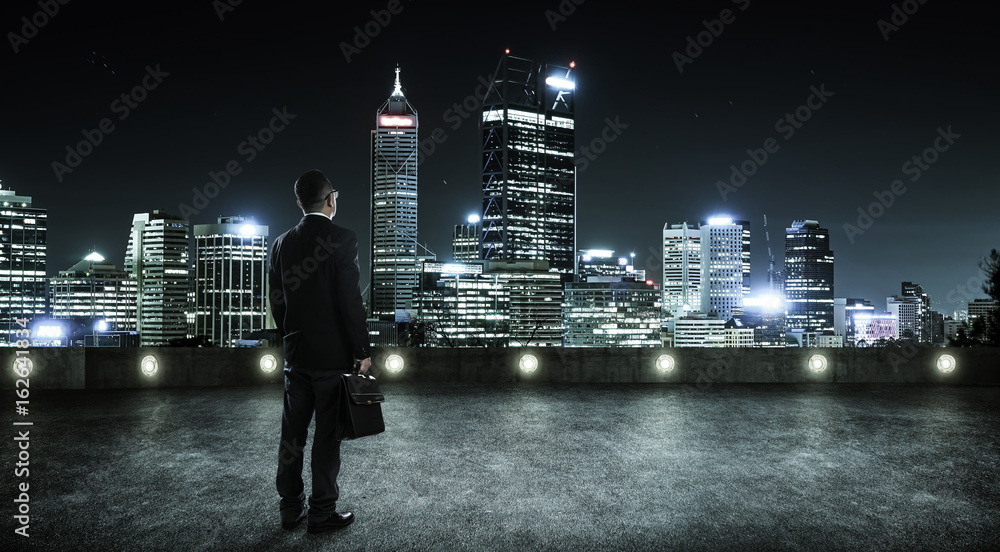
{"x": 394, "y": 258}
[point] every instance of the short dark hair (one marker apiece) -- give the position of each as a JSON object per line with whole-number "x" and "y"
{"x": 311, "y": 189}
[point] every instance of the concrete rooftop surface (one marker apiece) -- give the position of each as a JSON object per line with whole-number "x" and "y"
{"x": 527, "y": 467}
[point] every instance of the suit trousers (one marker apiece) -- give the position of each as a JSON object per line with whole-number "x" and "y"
{"x": 307, "y": 391}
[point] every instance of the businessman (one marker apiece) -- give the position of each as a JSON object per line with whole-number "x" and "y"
{"x": 316, "y": 302}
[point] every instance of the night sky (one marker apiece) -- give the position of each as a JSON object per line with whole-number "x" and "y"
{"x": 680, "y": 131}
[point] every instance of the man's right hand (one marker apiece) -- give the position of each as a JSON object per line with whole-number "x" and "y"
{"x": 362, "y": 366}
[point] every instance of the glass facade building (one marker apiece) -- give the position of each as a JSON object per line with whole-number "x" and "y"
{"x": 528, "y": 171}
{"x": 157, "y": 257}
{"x": 93, "y": 288}
{"x": 681, "y": 269}
{"x": 611, "y": 314}
{"x": 230, "y": 280}
{"x": 394, "y": 261}
{"x": 725, "y": 266}
{"x": 808, "y": 277}
{"x": 23, "y": 244}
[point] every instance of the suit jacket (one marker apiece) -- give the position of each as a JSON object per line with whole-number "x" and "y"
{"x": 315, "y": 296}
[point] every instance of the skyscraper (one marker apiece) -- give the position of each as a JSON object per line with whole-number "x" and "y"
{"x": 809, "y": 277}
{"x": 230, "y": 279}
{"x": 22, "y": 264}
{"x": 529, "y": 177}
{"x": 725, "y": 266}
{"x": 394, "y": 266}
{"x": 909, "y": 289}
{"x": 157, "y": 256}
{"x": 681, "y": 268}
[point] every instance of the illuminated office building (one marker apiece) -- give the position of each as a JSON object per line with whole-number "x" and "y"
{"x": 908, "y": 313}
{"x": 844, "y": 312}
{"x": 23, "y": 245}
{"x": 871, "y": 330}
{"x": 93, "y": 288}
{"x": 602, "y": 265}
{"x": 529, "y": 177}
{"x": 611, "y": 314}
{"x": 394, "y": 258}
{"x": 492, "y": 303}
{"x": 725, "y": 266}
{"x": 465, "y": 241}
{"x": 808, "y": 277}
{"x": 681, "y": 269}
{"x": 926, "y": 322}
{"x": 157, "y": 257}
{"x": 230, "y": 280}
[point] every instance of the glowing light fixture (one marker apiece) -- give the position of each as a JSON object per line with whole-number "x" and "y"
{"x": 572, "y": 65}
{"x": 817, "y": 363}
{"x": 946, "y": 363}
{"x": 528, "y": 363}
{"x": 268, "y": 363}
{"x": 560, "y": 83}
{"x": 49, "y": 331}
{"x": 714, "y": 221}
{"x": 394, "y": 363}
{"x": 396, "y": 121}
{"x": 247, "y": 229}
{"x": 23, "y": 366}
{"x": 149, "y": 365}
{"x": 473, "y": 219}
{"x": 101, "y": 326}
{"x": 94, "y": 257}
{"x": 665, "y": 363}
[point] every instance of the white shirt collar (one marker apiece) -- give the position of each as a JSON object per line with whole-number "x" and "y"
{"x": 320, "y": 213}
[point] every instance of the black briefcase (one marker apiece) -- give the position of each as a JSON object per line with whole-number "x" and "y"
{"x": 361, "y": 403}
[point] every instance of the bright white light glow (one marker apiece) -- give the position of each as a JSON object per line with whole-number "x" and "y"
{"x": 560, "y": 83}
{"x": 473, "y": 219}
{"x": 817, "y": 363}
{"x": 394, "y": 363}
{"x": 946, "y": 363}
{"x": 268, "y": 363}
{"x": 94, "y": 257}
{"x": 392, "y": 120}
{"x": 719, "y": 221}
{"x": 49, "y": 331}
{"x": 528, "y": 363}
{"x": 149, "y": 365}
{"x": 665, "y": 363}
{"x": 599, "y": 252}
{"x": 102, "y": 325}
{"x": 23, "y": 366}
{"x": 247, "y": 229}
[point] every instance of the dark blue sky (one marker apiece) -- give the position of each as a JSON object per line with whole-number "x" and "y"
{"x": 680, "y": 131}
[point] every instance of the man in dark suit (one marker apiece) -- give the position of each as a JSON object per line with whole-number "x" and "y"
{"x": 316, "y": 302}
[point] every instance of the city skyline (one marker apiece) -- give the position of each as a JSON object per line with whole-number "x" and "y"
{"x": 871, "y": 102}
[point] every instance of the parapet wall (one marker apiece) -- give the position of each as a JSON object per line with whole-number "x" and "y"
{"x": 114, "y": 368}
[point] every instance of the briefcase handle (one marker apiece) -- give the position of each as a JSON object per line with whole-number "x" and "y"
{"x": 366, "y": 376}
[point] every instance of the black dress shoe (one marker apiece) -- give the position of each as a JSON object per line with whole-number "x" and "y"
{"x": 335, "y": 521}
{"x": 295, "y": 522}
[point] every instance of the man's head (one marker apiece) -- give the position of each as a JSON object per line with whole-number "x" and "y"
{"x": 314, "y": 193}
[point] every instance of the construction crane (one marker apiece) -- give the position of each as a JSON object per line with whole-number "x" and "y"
{"x": 770, "y": 258}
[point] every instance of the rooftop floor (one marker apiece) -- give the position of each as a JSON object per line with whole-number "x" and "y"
{"x": 527, "y": 467}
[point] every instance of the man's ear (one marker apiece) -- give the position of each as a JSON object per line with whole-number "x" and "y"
{"x": 299, "y": 203}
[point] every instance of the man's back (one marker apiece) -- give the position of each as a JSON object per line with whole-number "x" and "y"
{"x": 315, "y": 295}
